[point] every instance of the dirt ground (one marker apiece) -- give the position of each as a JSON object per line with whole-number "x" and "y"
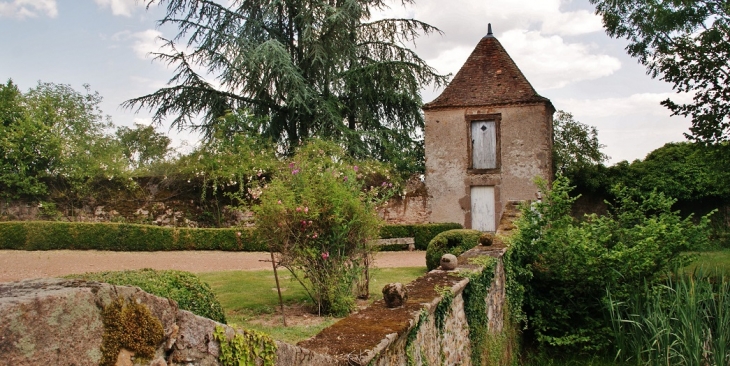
{"x": 17, "y": 265}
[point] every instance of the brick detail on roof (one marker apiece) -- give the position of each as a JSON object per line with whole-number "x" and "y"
{"x": 488, "y": 77}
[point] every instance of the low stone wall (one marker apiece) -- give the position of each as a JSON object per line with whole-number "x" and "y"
{"x": 406, "y": 210}
{"x": 60, "y": 322}
{"x": 410, "y": 334}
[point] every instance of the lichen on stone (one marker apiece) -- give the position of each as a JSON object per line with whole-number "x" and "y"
{"x": 129, "y": 325}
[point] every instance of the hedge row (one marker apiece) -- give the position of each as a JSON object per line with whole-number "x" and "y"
{"x": 50, "y": 235}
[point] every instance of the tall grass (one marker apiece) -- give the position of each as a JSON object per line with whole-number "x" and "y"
{"x": 684, "y": 321}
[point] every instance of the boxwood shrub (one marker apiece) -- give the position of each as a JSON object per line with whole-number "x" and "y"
{"x": 189, "y": 291}
{"x": 453, "y": 241}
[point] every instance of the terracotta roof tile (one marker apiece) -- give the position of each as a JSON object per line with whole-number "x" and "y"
{"x": 488, "y": 77}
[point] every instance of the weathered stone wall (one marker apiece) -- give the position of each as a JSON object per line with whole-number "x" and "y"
{"x": 171, "y": 213}
{"x": 525, "y": 140}
{"x": 378, "y": 335}
{"x": 408, "y": 210}
{"x": 59, "y": 322}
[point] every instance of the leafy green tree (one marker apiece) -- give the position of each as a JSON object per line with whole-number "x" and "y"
{"x": 88, "y": 152}
{"x": 575, "y": 145}
{"x": 686, "y": 43}
{"x": 685, "y": 171}
{"x": 28, "y": 148}
{"x": 299, "y": 69}
{"x": 234, "y": 164}
{"x": 559, "y": 268}
{"x": 53, "y": 133}
{"x": 142, "y": 145}
{"x": 11, "y": 103}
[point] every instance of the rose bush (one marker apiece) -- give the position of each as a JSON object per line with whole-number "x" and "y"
{"x": 318, "y": 215}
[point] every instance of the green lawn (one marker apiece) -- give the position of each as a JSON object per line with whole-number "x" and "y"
{"x": 709, "y": 261}
{"x": 250, "y": 295}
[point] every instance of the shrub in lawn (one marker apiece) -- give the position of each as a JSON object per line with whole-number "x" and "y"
{"x": 453, "y": 242}
{"x": 558, "y": 268}
{"x": 684, "y": 321}
{"x": 318, "y": 216}
{"x": 185, "y": 288}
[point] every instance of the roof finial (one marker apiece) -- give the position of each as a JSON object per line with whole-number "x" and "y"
{"x": 489, "y": 31}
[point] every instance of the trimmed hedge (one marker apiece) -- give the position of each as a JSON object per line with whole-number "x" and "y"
{"x": 422, "y": 233}
{"x": 189, "y": 291}
{"x": 454, "y": 242}
{"x": 53, "y": 235}
{"x": 50, "y": 235}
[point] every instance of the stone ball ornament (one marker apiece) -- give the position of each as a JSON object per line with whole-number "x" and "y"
{"x": 395, "y": 295}
{"x": 448, "y": 262}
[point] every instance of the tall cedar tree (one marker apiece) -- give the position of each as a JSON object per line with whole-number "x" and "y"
{"x": 686, "y": 43}
{"x": 293, "y": 69}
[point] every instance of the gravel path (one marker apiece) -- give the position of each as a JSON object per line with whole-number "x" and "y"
{"x": 17, "y": 265}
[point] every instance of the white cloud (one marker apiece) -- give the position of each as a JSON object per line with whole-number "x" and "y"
{"x": 121, "y": 7}
{"x": 147, "y": 42}
{"x": 144, "y": 43}
{"x": 572, "y": 23}
{"x": 147, "y": 85}
{"x": 533, "y": 32}
{"x": 630, "y": 126}
{"x": 28, "y": 8}
{"x": 549, "y": 62}
{"x": 646, "y": 104}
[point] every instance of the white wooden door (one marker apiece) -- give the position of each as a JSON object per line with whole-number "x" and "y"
{"x": 482, "y": 208}
{"x": 484, "y": 144}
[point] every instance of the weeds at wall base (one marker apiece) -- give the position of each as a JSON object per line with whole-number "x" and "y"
{"x": 245, "y": 348}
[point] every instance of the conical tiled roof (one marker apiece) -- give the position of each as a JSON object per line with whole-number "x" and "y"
{"x": 488, "y": 77}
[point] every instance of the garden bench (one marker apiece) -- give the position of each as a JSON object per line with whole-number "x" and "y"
{"x": 411, "y": 242}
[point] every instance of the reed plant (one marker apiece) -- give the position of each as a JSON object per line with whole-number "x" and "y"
{"x": 683, "y": 321}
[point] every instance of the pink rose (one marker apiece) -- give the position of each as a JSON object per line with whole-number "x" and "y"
{"x": 325, "y": 255}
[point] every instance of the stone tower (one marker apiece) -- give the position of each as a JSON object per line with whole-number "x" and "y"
{"x": 487, "y": 137}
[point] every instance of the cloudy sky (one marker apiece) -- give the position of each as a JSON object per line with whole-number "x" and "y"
{"x": 558, "y": 44}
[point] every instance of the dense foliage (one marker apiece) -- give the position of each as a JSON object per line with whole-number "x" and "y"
{"x": 683, "y": 321}
{"x": 686, "y": 43}
{"x": 559, "y": 268}
{"x": 452, "y": 242}
{"x": 575, "y": 145}
{"x": 185, "y": 288}
{"x": 142, "y": 145}
{"x": 54, "y": 131}
{"x": 50, "y": 235}
{"x": 45, "y": 235}
{"x": 295, "y": 69}
{"x": 318, "y": 213}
